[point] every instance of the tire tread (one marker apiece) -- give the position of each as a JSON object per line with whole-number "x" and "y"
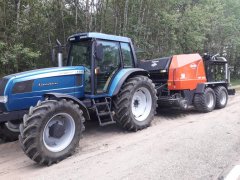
{"x": 32, "y": 122}
{"x": 121, "y": 102}
{"x": 199, "y": 101}
{"x": 217, "y": 91}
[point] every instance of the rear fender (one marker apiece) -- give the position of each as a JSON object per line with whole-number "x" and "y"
{"x": 74, "y": 99}
{"x": 122, "y": 76}
{"x": 202, "y": 86}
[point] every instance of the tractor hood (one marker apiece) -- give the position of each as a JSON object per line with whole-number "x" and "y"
{"x": 47, "y": 72}
{"x": 24, "y": 89}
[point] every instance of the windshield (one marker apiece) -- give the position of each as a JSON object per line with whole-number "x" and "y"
{"x": 80, "y": 54}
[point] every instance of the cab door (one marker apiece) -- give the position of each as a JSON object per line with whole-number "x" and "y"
{"x": 108, "y": 66}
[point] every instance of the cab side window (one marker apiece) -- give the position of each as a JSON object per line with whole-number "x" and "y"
{"x": 127, "y": 55}
{"x": 108, "y": 66}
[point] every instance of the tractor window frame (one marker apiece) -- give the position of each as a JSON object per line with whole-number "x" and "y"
{"x": 132, "y": 61}
{"x": 91, "y": 61}
{"x": 89, "y": 41}
{"x": 94, "y": 64}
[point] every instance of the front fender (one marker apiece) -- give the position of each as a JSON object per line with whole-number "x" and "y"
{"x": 122, "y": 76}
{"x": 74, "y": 99}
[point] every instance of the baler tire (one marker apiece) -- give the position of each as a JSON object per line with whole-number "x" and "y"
{"x": 200, "y": 101}
{"x": 122, "y": 103}
{"x": 6, "y": 134}
{"x": 221, "y": 101}
{"x": 33, "y": 131}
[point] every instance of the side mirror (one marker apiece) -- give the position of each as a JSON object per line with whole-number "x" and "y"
{"x": 99, "y": 52}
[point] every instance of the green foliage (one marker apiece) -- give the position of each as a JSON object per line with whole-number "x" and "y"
{"x": 29, "y": 28}
{"x": 235, "y": 82}
{"x": 16, "y": 58}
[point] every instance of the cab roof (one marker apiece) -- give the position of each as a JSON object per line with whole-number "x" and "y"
{"x": 78, "y": 36}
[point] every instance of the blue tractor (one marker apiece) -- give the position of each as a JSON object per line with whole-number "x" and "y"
{"x": 48, "y": 107}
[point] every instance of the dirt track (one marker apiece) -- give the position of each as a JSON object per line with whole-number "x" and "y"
{"x": 178, "y": 145}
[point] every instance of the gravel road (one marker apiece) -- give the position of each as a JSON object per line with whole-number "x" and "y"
{"x": 178, "y": 145}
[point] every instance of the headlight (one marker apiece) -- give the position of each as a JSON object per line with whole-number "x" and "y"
{"x": 3, "y": 99}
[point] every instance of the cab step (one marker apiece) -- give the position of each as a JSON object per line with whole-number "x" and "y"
{"x": 101, "y": 103}
{"x": 105, "y": 117}
{"x": 104, "y": 113}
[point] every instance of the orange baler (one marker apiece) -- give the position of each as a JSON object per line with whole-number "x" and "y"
{"x": 190, "y": 79}
{"x": 186, "y": 72}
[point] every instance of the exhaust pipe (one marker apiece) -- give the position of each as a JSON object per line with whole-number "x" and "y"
{"x": 60, "y": 59}
{"x": 60, "y": 54}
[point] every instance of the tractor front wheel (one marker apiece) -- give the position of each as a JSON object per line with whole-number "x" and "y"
{"x": 51, "y": 131}
{"x": 206, "y": 101}
{"x": 135, "y": 104}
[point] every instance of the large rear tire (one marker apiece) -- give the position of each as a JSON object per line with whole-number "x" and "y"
{"x": 51, "y": 131}
{"x": 9, "y": 131}
{"x": 221, "y": 97}
{"x": 135, "y": 104}
{"x": 205, "y": 102}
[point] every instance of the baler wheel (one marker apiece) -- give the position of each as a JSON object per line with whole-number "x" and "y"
{"x": 9, "y": 133}
{"x": 221, "y": 97}
{"x": 51, "y": 131}
{"x": 206, "y": 101}
{"x": 135, "y": 104}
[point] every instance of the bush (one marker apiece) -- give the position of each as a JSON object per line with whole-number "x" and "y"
{"x": 16, "y": 58}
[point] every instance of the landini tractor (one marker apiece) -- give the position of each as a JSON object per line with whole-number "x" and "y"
{"x": 102, "y": 76}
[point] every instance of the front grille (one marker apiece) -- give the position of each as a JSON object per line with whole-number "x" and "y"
{"x": 3, "y": 83}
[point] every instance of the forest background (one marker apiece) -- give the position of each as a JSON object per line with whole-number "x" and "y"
{"x": 29, "y": 28}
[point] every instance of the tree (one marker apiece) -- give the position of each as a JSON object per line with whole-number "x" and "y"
{"x": 158, "y": 27}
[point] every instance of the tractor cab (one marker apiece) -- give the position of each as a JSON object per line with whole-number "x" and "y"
{"x": 102, "y": 56}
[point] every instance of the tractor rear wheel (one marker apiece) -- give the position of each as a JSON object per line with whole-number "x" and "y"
{"x": 135, "y": 104}
{"x": 206, "y": 101}
{"x": 221, "y": 97}
{"x": 51, "y": 131}
{"x": 9, "y": 131}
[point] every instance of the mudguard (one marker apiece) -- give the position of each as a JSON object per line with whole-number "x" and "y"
{"x": 122, "y": 76}
{"x": 74, "y": 99}
{"x": 201, "y": 87}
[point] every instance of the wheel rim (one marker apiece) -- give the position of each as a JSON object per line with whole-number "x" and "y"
{"x": 12, "y": 127}
{"x": 141, "y": 104}
{"x": 54, "y": 141}
{"x": 209, "y": 100}
{"x": 223, "y": 98}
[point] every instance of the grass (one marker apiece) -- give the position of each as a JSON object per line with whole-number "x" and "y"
{"x": 235, "y": 82}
